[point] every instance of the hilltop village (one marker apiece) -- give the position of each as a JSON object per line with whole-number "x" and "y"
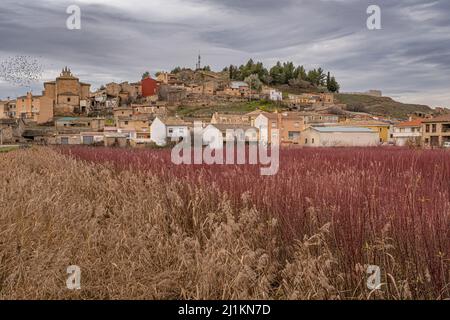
{"x": 154, "y": 111}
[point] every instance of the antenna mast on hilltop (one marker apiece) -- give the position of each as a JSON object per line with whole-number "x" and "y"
{"x": 199, "y": 63}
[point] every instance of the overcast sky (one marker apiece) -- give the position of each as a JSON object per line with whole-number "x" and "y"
{"x": 409, "y": 59}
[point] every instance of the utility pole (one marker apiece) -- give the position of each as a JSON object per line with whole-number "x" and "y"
{"x": 1, "y": 137}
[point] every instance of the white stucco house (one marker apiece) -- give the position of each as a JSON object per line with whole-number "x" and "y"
{"x": 339, "y": 137}
{"x": 164, "y": 130}
{"x": 216, "y": 135}
{"x": 158, "y": 132}
{"x": 275, "y": 95}
{"x": 272, "y": 94}
{"x": 407, "y": 132}
{"x": 264, "y": 123}
{"x": 213, "y": 137}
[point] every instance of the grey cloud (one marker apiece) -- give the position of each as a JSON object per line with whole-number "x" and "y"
{"x": 409, "y": 57}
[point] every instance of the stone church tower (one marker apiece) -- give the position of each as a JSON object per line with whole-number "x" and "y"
{"x": 68, "y": 93}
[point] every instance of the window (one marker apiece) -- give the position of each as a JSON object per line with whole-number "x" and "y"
{"x": 434, "y": 128}
{"x": 274, "y": 124}
{"x": 170, "y": 130}
{"x": 427, "y": 128}
{"x": 445, "y": 127}
{"x": 306, "y": 141}
{"x": 68, "y": 99}
{"x": 312, "y": 141}
{"x": 126, "y": 123}
{"x": 293, "y": 135}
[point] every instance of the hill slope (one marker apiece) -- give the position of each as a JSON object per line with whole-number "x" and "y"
{"x": 383, "y": 106}
{"x": 230, "y": 108}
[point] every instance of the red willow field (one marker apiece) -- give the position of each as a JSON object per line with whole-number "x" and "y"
{"x": 386, "y": 207}
{"x": 141, "y": 227}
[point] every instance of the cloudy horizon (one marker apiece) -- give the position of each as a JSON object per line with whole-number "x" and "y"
{"x": 408, "y": 59}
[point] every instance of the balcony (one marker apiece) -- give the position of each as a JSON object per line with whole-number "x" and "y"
{"x": 406, "y": 134}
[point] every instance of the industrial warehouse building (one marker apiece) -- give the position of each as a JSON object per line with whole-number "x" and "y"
{"x": 339, "y": 137}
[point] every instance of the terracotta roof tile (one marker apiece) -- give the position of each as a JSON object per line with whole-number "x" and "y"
{"x": 413, "y": 123}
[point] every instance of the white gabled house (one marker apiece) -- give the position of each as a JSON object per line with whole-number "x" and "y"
{"x": 265, "y": 122}
{"x": 166, "y": 129}
{"x": 212, "y": 137}
{"x": 215, "y": 135}
{"x": 158, "y": 132}
{"x": 262, "y": 124}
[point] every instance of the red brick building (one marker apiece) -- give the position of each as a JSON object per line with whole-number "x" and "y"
{"x": 149, "y": 87}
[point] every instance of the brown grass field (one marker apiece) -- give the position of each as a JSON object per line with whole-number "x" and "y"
{"x": 142, "y": 228}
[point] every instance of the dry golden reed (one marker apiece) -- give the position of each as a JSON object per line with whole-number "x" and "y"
{"x": 138, "y": 236}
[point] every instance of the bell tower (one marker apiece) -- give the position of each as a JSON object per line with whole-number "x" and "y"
{"x": 66, "y": 72}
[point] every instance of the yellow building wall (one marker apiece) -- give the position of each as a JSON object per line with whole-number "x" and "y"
{"x": 383, "y": 132}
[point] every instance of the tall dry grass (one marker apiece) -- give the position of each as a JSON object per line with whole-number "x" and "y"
{"x": 140, "y": 228}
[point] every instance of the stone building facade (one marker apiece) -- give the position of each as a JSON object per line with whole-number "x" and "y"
{"x": 68, "y": 93}
{"x": 436, "y": 131}
{"x": 35, "y": 108}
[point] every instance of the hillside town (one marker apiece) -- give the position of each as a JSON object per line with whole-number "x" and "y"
{"x": 149, "y": 113}
{"x": 215, "y": 159}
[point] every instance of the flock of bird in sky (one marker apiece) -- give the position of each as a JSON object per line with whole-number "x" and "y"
{"x": 21, "y": 71}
